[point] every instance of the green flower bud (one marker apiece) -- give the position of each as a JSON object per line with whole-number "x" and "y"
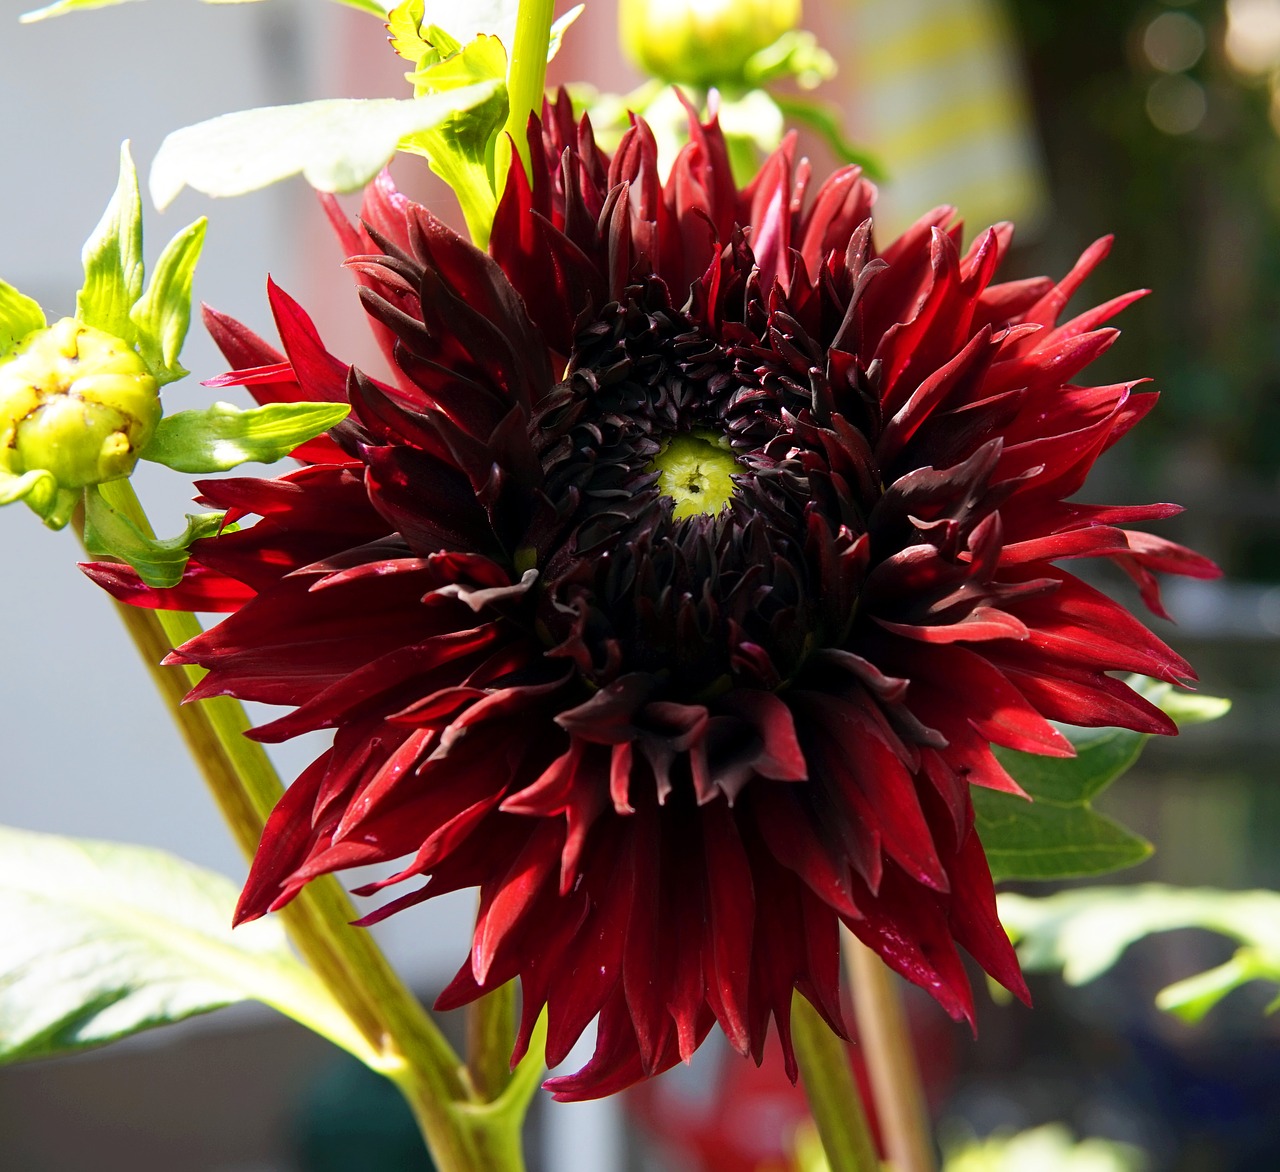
{"x": 76, "y": 403}
{"x": 702, "y": 42}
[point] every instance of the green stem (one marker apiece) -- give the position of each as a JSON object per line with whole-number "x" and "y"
{"x": 408, "y": 1045}
{"x": 832, "y": 1093}
{"x": 495, "y": 1128}
{"x": 527, "y": 72}
{"x": 491, "y": 1031}
{"x": 891, "y": 1060}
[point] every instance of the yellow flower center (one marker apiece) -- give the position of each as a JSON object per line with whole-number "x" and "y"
{"x": 695, "y": 469}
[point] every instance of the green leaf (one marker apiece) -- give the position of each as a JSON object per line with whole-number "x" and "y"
{"x": 222, "y": 436}
{"x": 113, "y": 262}
{"x": 372, "y": 7}
{"x": 1050, "y": 1148}
{"x": 109, "y": 533}
{"x": 461, "y": 148}
{"x": 19, "y": 316}
{"x": 794, "y": 56}
{"x": 103, "y": 940}
{"x": 462, "y": 23}
{"x": 453, "y": 46}
{"x": 1185, "y": 707}
{"x": 825, "y": 120}
{"x": 1085, "y": 932}
{"x": 404, "y": 24}
{"x": 62, "y": 7}
{"x": 164, "y": 313}
{"x": 338, "y": 144}
{"x": 1058, "y": 834}
{"x": 483, "y": 60}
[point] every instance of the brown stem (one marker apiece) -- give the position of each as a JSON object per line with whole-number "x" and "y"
{"x": 891, "y": 1060}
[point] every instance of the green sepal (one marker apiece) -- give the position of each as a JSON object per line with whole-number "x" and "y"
{"x": 20, "y": 315}
{"x": 40, "y": 490}
{"x": 338, "y": 144}
{"x": 113, "y": 261}
{"x": 104, "y": 940}
{"x": 1058, "y": 834}
{"x": 159, "y": 563}
{"x": 164, "y": 312}
{"x": 223, "y": 436}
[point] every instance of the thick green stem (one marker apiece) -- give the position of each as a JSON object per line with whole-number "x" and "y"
{"x": 832, "y": 1093}
{"x": 527, "y": 72}
{"x": 409, "y": 1047}
{"x": 891, "y": 1060}
{"x": 495, "y": 1128}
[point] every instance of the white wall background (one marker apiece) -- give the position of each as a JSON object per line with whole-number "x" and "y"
{"x": 87, "y": 747}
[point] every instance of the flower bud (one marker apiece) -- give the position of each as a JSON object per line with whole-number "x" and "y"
{"x": 77, "y": 403}
{"x": 702, "y": 42}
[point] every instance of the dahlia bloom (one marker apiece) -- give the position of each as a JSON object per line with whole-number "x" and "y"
{"x": 675, "y": 590}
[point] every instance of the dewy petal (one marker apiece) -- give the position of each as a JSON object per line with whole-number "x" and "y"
{"x": 674, "y": 753}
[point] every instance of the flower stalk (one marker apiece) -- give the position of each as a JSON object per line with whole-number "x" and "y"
{"x": 833, "y": 1095}
{"x": 527, "y": 74}
{"x": 891, "y": 1060}
{"x": 491, "y": 1030}
{"x": 404, "y": 1043}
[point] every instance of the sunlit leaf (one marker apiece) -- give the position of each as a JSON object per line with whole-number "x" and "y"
{"x": 461, "y": 147}
{"x": 463, "y": 23}
{"x": 62, "y": 7}
{"x": 103, "y": 940}
{"x": 338, "y": 144}
{"x": 1083, "y": 933}
{"x": 1051, "y": 1148}
{"x": 404, "y": 24}
{"x": 497, "y": 18}
{"x": 223, "y": 435}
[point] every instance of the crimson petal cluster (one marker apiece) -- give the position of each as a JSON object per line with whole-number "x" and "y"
{"x": 675, "y": 754}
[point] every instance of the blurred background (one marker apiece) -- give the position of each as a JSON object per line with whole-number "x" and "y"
{"x": 1159, "y": 122}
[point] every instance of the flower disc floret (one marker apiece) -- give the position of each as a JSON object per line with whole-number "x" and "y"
{"x": 695, "y": 471}
{"x": 675, "y": 749}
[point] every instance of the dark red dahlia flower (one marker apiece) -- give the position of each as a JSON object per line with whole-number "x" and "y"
{"x": 674, "y": 593}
